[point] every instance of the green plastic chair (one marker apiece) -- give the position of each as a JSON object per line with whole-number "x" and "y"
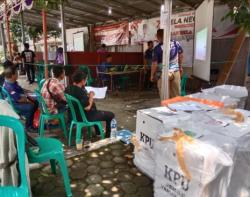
{"x": 86, "y": 69}
{"x": 45, "y": 115}
{"x": 123, "y": 81}
{"x": 40, "y": 84}
{"x": 22, "y": 190}
{"x": 40, "y": 71}
{"x": 79, "y": 125}
{"x": 183, "y": 84}
{"x": 7, "y": 96}
{"x": 51, "y": 150}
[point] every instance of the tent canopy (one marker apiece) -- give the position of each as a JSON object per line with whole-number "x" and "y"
{"x": 80, "y": 13}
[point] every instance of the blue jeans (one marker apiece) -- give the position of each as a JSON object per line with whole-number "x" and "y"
{"x": 27, "y": 110}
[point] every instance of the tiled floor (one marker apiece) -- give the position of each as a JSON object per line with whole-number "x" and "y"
{"x": 107, "y": 171}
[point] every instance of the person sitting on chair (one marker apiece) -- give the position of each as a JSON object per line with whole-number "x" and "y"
{"x": 6, "y": 65}
{"x": 53, "y": 91}
{"x": 25, "y": 105}
{"x": 106, "y": 65}
{"x": 78, "y": 91}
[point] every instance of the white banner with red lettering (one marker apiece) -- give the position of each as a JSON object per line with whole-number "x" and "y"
{"x": 116, "y": 34}
{"x": 182, "y": 30}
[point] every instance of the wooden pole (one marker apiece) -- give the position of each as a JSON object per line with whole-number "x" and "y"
{"x": 8, "y": 29}
{"x": 22, "y": 27}
{"x": 3, "y": 40}
{"x": 45, "y": 44}
{"x": 64, "y": 41}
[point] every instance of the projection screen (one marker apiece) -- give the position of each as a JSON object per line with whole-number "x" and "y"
{"x": 203, "y": 40}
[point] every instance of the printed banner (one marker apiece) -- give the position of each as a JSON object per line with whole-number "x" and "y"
{"x": 223, "y": 28}
{"x": 182, "y": 25}
{"x": 116, "y": 34}
{"x": 182, "y": 30}
{"x": 143, "y": 30}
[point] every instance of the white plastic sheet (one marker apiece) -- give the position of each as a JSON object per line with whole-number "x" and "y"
{"x": 227, "y": 100}
{"x": 204, "y": 162}
{"x": 217, "y": 158}
{"x": 149, "y": 124}
{"x": 237, "y": 92}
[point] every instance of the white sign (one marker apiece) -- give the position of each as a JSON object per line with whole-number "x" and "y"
{"x": 100, "y": 93}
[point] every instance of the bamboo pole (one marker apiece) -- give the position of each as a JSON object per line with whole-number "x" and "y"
{"x": 8, "y": 29}
{"x": 45, "y": 44}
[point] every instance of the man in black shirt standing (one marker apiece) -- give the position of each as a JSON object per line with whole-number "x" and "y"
{"x": 78, "y": 91}
{"x": 28, "y": 57}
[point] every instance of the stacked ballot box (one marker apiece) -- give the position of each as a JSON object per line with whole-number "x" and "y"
{"x": 229, "y": 94}
{"x": 209, "y": 160}
{"x": 149, "y": 124}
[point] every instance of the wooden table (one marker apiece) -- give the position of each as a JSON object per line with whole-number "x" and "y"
{"x": 119, "y": 73}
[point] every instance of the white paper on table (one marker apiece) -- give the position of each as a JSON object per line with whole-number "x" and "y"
{"x": 100, "y": 93}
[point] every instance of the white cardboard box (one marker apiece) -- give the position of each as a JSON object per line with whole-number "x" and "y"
{"x": 219, "y": 165}
{"x": 149, "y": 124}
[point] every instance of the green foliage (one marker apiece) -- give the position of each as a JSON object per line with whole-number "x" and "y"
{"x": 48, "y": 4}
{"x": 16, "y": 30}
{"x": 54, "y": 33}
{"x": 34, "y": 32}
{"x": 239, "y": 13}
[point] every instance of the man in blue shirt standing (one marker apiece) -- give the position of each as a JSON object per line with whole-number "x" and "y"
{"x": 175, "y": 65}
{"x": 22, "y": 103}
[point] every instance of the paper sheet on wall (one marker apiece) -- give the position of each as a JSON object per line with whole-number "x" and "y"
{"x": 100, "y": 93}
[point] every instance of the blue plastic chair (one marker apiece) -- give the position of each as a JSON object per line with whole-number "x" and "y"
{"x": 51, "y": 150}
{"x": 80, "y": 124}
{"x": 22, "y": 190}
